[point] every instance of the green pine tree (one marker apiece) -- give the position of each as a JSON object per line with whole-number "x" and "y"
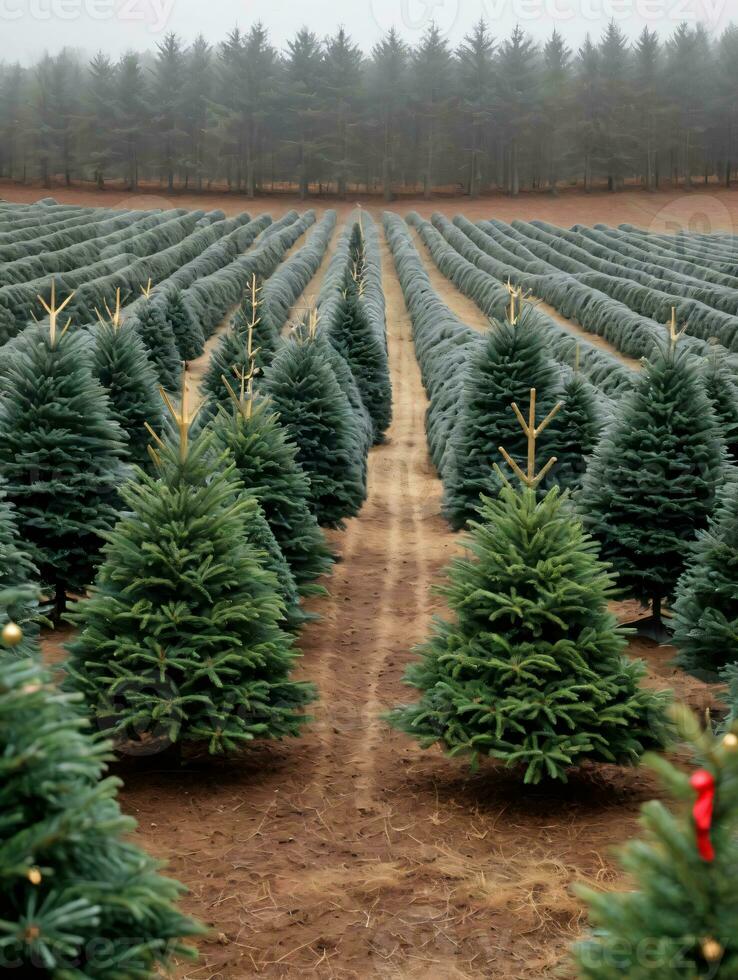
{"x": 651, "y": 483}
{"x": 706, "y": 607}
{"x": 510, "y": 361}
{"x": 181, "y": 639}
{"x": 354, "y": 338}
{"x": 60, "y": 454}
{"x": 18, "y": 592}
{"x": 318, "y": 418}
{"x": 122, "y": 366}
{"x": 531, "y": 668}
{"x": 78, "y": 898}
{"x": 188, "y": 333}
{"x": 677, "y": 922}
{"x": 266, "y": 464}
{"x": 156, "y": 332}
{"x": 721, "y": 389}
{"x": 576, "y": 430}
{"x": 261, "y": 538}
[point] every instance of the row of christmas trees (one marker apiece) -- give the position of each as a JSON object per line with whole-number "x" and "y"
{"x": 211, "y": 542}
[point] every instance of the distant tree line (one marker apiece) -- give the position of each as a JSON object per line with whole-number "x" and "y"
{"x": 323, "y": 116}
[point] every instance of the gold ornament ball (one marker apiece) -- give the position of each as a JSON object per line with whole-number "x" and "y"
{"x": 712, "y": 950}
{"x": 731, "y": 741}
{"x": 12, "y": 634}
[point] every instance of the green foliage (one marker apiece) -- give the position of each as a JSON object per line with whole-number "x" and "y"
{"x": 706, "y": 607}
{"x": 576, "y": 430}
{"x": 530, "y": 670}
{"x": 188, "y": 333}
{"x": 721, "y": 389}
{"x": 260, "y": 537}
{"x": 319, "y": 420}
{"x": 181, "y": 639}
{"x": 355, "y": 339}
{"x": 122, "y": 366}
{"x": 18, "y": 594}
{"x": 77, "y": 898}
{"x": 652, "y": 480}
{"x": 156, "y": 332}
{"x": 266, "y": 464}
{"x": 60, "y": 455}
{"x": 677, "y": 921}
{"x": 502, "y": 370}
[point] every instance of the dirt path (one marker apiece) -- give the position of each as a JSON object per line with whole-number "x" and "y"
{"x": 309, "y": 296}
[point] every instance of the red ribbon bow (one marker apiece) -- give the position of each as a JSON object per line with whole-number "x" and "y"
{"x": 703, "y": 782}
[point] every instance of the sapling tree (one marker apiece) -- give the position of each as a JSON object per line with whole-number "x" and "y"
{"x": 60, "y": 453}
{"x": 180, "y": 640}
{"x": 530, "y": 668}
{"x": 652, "y": 481}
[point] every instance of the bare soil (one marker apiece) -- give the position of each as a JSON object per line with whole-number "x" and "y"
{"x": 350, "y": 853}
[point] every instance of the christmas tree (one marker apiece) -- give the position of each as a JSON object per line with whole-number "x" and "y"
{"x": 530, "y": 670}
{"x": 678, "y": 923}
{"x": 60, "y": 453}
{"x": 180, "y": 639}
{"x": 121, "y": 365}
{"x": 318, "y": 418}
{"x": 576, "y": 430}
{"x": 706, "y": 607}
{"x": 188, "y": 333}
{"x": 19, "y": 608}
{"x": 652, "y": 480}
{"x": 261, "y": 538}
{"x": 354, "y": 338}
{"x": 511, "y": 360}
{"x": 249, "y": 339}
{"x": 266, "y": 464}
{"x": 77, "y": 898}
{"x": 156, "y": 332}
{"x": 721, "y": 390}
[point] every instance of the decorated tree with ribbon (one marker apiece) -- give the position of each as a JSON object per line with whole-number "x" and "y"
{"x": 678, "y": 921}
{"x": 181, "y": 639}
{"x": 531, "y": 669}
{"x": 77, "y": 897}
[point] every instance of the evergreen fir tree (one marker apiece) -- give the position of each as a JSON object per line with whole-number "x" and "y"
{"x": 18, "y": 593}
{"x": 60, "y": 454}
{"x": 263, "y": 541}
{"x": 156, "y": 332}
{"x": 181, "y": 639}
{"x": 678, "y": 922}
{"x": 706, "y": 607}
{"x": 266, "y": 464}
{"x": 576, "y": 430}
{"x": 318, "y": 418}
{"x": 354, "y": 338}
{"x": 510, "y": 361}
{"x": 122, "y": 366}
{"x": 78, "y": 898}
{"x": 188, "y": 333}
{"x": 531, "y": 669}
{"x": 652, "y": 480}
{"x": 721, "y": 390}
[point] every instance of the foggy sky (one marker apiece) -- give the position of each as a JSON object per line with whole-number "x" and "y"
{"x": 30, "y": 27}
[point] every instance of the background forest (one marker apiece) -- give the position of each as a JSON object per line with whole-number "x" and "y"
{"x": 323, "y": 116}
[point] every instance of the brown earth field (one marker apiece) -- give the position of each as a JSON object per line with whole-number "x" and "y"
{"x": 350, "y": 852}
